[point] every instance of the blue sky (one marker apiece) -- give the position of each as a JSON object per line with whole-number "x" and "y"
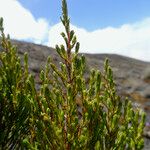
{"x": 91, "y": 14}
{"x": 101, "y": 26}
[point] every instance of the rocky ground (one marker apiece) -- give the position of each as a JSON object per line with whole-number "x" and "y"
{"x": 132, "y": 76}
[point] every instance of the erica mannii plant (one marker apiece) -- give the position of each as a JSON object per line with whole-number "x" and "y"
{"x": 52, "y": 118}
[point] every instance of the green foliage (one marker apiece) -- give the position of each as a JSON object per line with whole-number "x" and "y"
{"x": 67, "y": 113}
{"x": 14, "y": 96}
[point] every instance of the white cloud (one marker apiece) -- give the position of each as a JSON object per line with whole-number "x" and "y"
{"x": 20, "y": 23}
{"x": 131, "y": 40}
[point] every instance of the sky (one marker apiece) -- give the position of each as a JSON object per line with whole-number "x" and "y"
{"x": 102, "y": 26}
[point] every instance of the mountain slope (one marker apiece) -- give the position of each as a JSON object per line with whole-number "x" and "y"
{"x": 132, "y": 76}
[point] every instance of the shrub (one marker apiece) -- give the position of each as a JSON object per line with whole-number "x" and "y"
{"x": 146, "y": 75}
{"x": 51, "y": 118}
{"x": 15, "y": 96}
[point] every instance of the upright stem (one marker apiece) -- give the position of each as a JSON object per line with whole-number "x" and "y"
{"x": 69, "y": 58}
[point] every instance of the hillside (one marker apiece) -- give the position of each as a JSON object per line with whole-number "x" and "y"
{"x": 132, "y": 76}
